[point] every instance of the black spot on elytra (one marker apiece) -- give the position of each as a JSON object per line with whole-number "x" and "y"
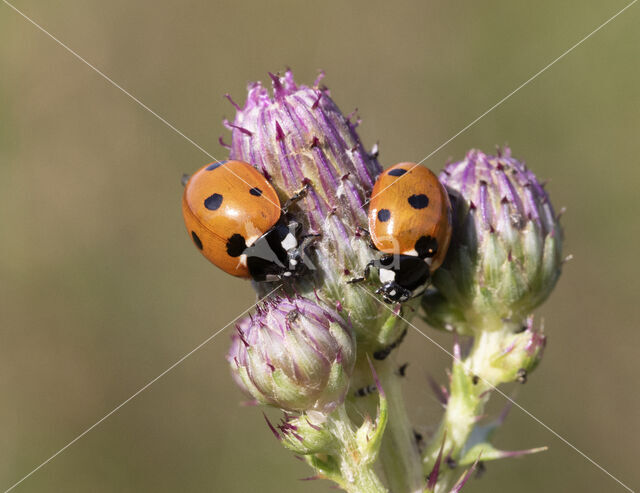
{"x": 384, "y": 215}
{"x": 236, "y": 245}
{"x": 426, "y": 246}
{"x": 196, "y": 240}
{"x": 213, "y": 202}
{"x": 419, "y": 201}
{"x": 213, "y": 166}
{"x": 397, "y": 172}
{"x": 255, "y": 191}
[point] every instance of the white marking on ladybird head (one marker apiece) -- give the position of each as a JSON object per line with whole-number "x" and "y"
{"x": 287, "y": 274}
{"x": 289, "y": 242}
{"x": 392, "y": 292}
{"x": 293, "y": 262}
{"x": 386, "y": 275}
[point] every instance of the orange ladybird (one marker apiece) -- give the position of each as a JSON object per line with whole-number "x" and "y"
{"x": 410, "y": 222}
{"x": 410, "y": 214}
{"x": 234, "y": 217}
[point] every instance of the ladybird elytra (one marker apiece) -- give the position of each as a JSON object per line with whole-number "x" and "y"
{"x": 410, "y": 214}
{"x": 226, "y": 207}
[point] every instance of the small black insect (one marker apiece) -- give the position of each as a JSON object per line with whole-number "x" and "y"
{"x": 365, "y": 391}
{"x": 402, "y": 370}
{"x": 417, "y": 436}
{"x": 521, "y": 376}
{"x": 381, "y": 354}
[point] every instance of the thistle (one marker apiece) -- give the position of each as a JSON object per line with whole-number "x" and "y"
{"x": 504, "y": 261}
{"x": 506, "y": 252}
{"x": 299, "y": 137}
{"x": 294, "y": 355}
{"x": 323, "y": 353}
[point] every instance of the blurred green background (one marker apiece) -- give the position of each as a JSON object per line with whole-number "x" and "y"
{"x": 101, "y": 289}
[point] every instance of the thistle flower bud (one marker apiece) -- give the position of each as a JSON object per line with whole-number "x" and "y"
{"x": 302, "y": 436}
{"x": 506, "y": 356}
{"x": 299, "y": 137}
{"x": 294, "y": 355}
{"x": 236, "y": 345}
{"x": 505, "y": 255}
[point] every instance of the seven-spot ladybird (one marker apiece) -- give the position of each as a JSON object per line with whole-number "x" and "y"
{"x": 410, "y": 222}
{"x": 234, "y": 217}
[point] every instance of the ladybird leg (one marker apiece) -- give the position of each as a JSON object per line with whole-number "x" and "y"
{"x": 390, "y": 260}
{"x": 355, "y": 280}
{"x": 296, "y": 197}
{"x": 294, "y": 227}
{"x": 365, "y": 275}
{"x": 307, "y": 241}
{"x": 185, "y": 179}
{"x": 311, "y": 237}
{"x": 362, "y": 232}
{"x": 392, "y": 292}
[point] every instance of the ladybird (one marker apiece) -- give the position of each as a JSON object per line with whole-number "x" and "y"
{"x": 234, "y": 218}
{"x": 410, "y": 222}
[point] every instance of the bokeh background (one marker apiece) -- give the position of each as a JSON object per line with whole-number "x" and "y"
{"x": 101, "y": 289}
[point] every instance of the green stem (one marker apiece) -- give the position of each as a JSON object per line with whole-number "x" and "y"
{"x": 399, "y": 454}
{"x": 357, "y": 476}
{"x": 467, "y": 399}
{"x": 456, "y": 426}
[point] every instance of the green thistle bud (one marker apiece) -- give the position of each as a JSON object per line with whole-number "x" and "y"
{"x": 506, "y": 252}
{"x": 507, "y": 356}
{"x": 295, "y": 355}
{"x": 302, "y": 436}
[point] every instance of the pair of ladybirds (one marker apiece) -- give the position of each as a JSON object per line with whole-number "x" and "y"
{"x": 234, "y": 217}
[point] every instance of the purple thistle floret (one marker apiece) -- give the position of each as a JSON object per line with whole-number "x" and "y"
{"x": 502, "y": 191}
{"x": 465, "y": 477}
{"x": 505, "y": 255}
{"x": 299, "y": 134}
{"x": 236, "y": 345}
{"x": 432, "y": 477}
{"x": 294, "y": 354}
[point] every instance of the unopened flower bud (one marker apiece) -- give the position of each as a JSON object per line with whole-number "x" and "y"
{"x": 295, "y": 355}
{"x": 301, "y": 435}
{"x": 508, "y": 355}
{"x": 506, "y": 252}
{"x": 297, "y": 137}
{"x": 236, "y": 342}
